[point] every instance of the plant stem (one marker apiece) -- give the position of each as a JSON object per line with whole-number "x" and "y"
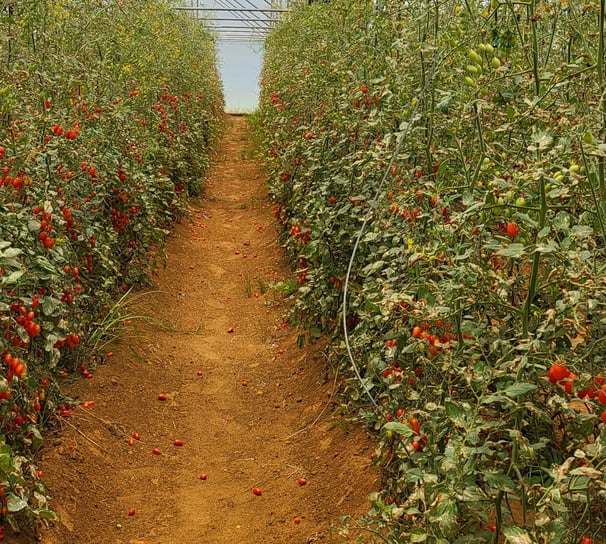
{"x": 600, "y": 65}
{"x": 536, "y": 259}
{"x": 535, "y": 50}
{"x": 479, "y": 126}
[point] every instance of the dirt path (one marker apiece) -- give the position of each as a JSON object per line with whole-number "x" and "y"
{"x": 251, "y": 408}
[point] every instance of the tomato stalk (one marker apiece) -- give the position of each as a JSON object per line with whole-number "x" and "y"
{"x": 536, "y": 260}
{"x": 602, "y": 16}
{"x": 514, "y": 17}
{"x": 597, "y": 200}
{"x": 535, "y": 49}
{"x": 479, "y": 127}
{"x": 499, "y": 514}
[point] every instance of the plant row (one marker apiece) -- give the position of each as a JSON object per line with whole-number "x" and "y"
{"x": 107, "y": 114}
{"x": 438, "y": 169}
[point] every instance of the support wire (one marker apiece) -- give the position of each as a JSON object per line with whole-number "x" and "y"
{"x": 373, "y": 204}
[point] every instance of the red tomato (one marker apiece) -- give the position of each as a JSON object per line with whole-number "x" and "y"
{"x": 557, "y": 372}
{"x": 415, "y": 424}
{"x": 177, "y": 442}
{"x": 302, "y": 481}
{"x": 257, "y": 491}
{"x": 512, "y": 229}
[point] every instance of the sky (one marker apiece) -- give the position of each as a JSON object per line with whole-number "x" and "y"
{"x": 240, "y": 67}
{"x": 240, "y": 57}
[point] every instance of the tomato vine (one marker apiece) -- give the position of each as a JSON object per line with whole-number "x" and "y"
{"x": 481, "y": 259}
{"x": 107, "y": 114}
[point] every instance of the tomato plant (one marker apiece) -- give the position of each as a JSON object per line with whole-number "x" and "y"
{"x": 107, "y": 115}
{"x": 439, "y": 176}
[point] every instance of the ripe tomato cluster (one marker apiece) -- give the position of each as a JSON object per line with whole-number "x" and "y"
{"x": 560, "y": 374}
{"x": 437, "y": 341}
{"x": 15, "y": 367}
{"x": 301, "y": 232}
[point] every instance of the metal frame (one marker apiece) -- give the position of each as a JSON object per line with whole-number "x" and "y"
{"x": 246, "y": 21}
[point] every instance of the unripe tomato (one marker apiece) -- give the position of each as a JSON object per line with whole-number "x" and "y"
{"x": 473, "y": 55}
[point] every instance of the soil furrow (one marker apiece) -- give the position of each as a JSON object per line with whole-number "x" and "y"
{"x": 251, "y": 408}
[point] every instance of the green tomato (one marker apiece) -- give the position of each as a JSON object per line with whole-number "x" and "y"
{"x": 495, "y": 63}
{"x": 520, "y": 201}
{"x": 473, "y": 55}
{"x": 469, "y": 81}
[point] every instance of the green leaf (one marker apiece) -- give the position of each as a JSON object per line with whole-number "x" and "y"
{"x": 418, "y": 535}
{"x": 549, "y": 247}
{"x": 518, "y": 389}
{"x": 13, "y": 278}
{"x": 399, "y": 428}
{"x": 581, "y": 231}
{"x": 496, "y": 399}
{"x": 454, "y": 412}
{"x": 500, "y": 481}
{"x": 47, "y": 514}
{"x": 515, "y": 535}
{"x": 513, "y": 250}
{"x": 16, "y": 504}
{"x": 12, "y": 252}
